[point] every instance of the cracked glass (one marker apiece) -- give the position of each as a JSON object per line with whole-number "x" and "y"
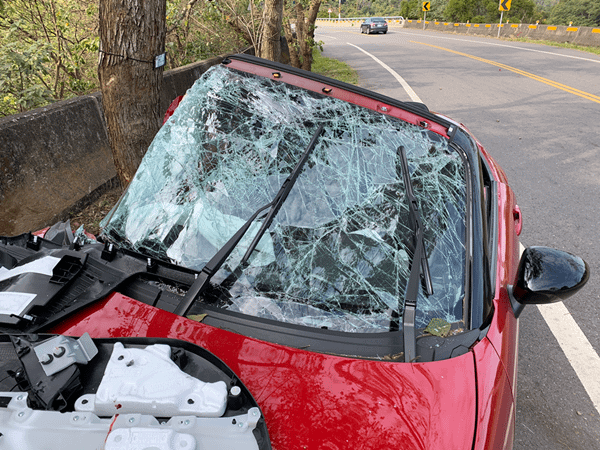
{"x": 338, "y": 252}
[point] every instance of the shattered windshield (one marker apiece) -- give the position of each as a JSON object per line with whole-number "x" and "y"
{"x": 337, "y": 253}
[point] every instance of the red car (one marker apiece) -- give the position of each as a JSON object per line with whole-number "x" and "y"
{"x": 345, "y": 264}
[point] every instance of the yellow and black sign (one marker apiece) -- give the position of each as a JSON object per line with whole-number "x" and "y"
{"x": 504, "y": 5}
{"x": 427, "y": 6}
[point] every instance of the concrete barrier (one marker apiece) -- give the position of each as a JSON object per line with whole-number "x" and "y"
{"x": 587, "y": 36}
{"x": 57, "y": 159}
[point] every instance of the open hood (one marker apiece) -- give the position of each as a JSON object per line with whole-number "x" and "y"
{"x": 122, "y": 394}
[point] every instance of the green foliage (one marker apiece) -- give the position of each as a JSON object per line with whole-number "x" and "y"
{"x": 581, "y": 12}
{"x": 48, "y": 51}
{"x": 476, "y": 11}
{"x": 49, "y": 48}
{"x": 461, "y": 10}
{"x": 521, "y": 11}
{"x": 486, "y": 11}
{"x": 23, "y": 69}
{"x": 438, "y": 8}
{"x": 412, "y": 9}
{"x": 197, "y": 30}
{"x": 360, "y": 8}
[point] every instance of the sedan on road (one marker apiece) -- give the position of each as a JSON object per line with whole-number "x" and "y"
{"x": 298, "y": 263}
{"x": 374, "y": 25}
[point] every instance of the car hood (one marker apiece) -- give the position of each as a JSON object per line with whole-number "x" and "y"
{"x": 313, "y": 400}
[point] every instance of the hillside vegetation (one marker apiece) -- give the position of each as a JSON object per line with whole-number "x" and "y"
{"x": 555, "y": 12}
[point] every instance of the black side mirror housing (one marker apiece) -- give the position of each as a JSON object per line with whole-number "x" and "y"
{"x": 546, "y": 275}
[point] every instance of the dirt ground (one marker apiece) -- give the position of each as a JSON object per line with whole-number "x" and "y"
{"x": 91, "y": 216}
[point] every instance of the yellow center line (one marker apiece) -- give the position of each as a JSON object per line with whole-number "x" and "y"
{"x": 564, "y": 87}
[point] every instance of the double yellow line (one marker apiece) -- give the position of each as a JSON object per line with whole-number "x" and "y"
{"x": 560, "y": 86}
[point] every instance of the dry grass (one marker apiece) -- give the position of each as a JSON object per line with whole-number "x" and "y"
{"x": 91, "y": 216}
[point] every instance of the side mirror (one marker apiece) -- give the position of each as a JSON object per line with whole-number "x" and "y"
{"x": 546, "y": 275}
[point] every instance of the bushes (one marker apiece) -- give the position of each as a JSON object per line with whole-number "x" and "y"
{"x": 49, "y": 48}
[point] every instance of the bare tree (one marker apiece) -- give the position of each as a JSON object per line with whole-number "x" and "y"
{"x": 296, "y": 17}
{"x": 132, "y": 34}
{"x": 301, "y": 41}
{"x": 245, "y": 21}
{"x": 263, "y": 32}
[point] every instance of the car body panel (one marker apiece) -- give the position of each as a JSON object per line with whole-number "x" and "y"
{"x": 314, "y": 400}
{"x": 496, "y": 403}
{"x": 496, "y": 354}
{"x": 503, "y": 332}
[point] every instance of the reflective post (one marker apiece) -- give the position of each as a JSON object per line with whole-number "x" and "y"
{"x": 500, "y": 24}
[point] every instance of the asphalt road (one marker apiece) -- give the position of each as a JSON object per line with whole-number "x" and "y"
{"x": 536, "y": 109}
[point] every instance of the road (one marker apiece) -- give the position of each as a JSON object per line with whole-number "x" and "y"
{"x": 536, "y": 109}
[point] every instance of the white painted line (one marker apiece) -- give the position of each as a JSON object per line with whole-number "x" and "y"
{"x": 412, "y": 94}
{"x": 576, "y": 346}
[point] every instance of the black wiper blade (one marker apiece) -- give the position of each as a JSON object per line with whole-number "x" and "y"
{"x": 282, "y": 195}
{"x": 419, "y": 265}
{"x": 215, "y": 263}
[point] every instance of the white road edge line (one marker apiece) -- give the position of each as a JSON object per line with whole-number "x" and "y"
{"x": 575, "y": 345}
{"x": 412, "y": 94}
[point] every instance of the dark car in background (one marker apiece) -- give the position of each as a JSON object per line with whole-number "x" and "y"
{"x": 374, "y": 25}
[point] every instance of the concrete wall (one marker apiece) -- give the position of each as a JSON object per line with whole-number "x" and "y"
{"x": 576, "y": 35}
{"x": 57, "y": 159}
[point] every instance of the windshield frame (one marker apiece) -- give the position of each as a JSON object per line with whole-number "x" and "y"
{"x": 346, "y": 343}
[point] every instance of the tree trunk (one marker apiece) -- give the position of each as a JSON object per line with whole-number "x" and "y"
{"x": 270, "y": 45}
{"x": 309, "y": 34}
{"x": 289, "y": 35}
{"x": 132, "y": 33}
{"x": 302, "y": 41}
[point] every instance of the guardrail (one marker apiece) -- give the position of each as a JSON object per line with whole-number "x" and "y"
{"x": 352, "y": 21}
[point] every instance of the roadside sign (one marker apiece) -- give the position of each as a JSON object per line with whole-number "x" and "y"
{"x": 427, "y": 6}
{"x": 504, "y": 5}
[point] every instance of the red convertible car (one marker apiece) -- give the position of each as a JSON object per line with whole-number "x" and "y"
{"x": 298, "y": 264}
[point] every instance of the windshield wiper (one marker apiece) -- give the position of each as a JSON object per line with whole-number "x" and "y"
{"x": 215, "y": 263}
{"x": 282, "y": 195}
{"x": 419, "y": 265}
